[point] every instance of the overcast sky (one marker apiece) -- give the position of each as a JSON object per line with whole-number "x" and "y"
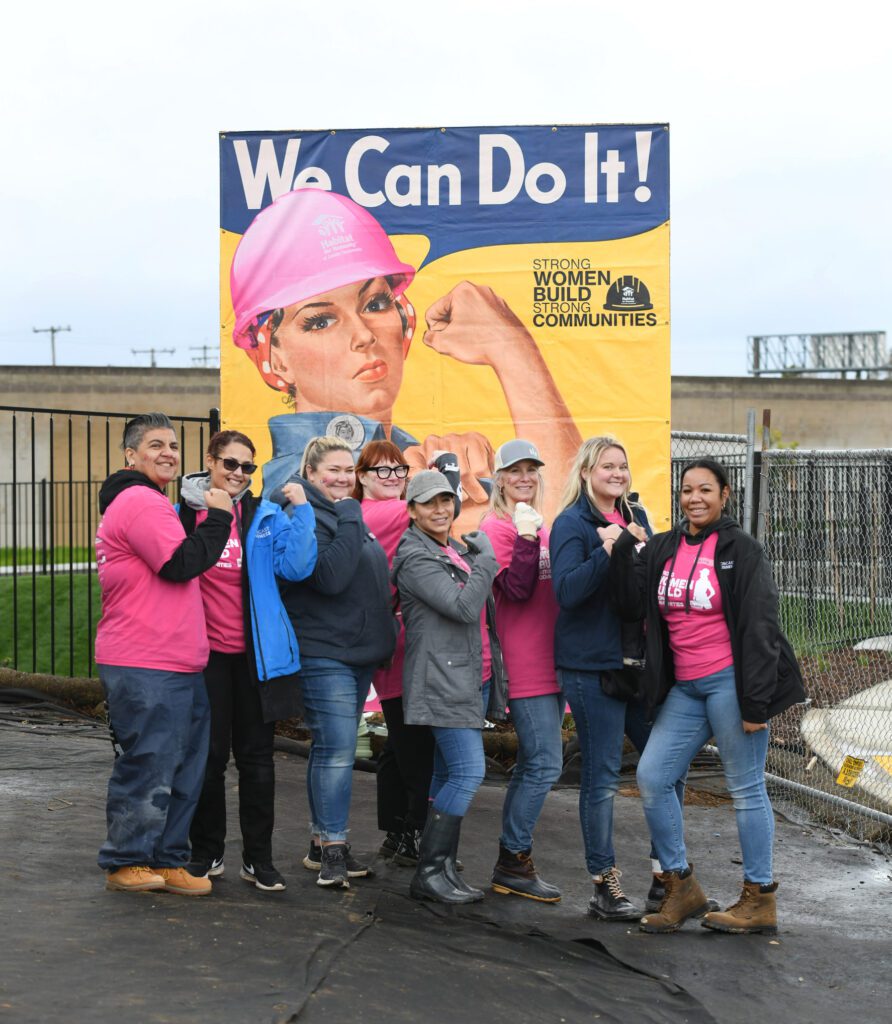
{"x": 780, "y": 148}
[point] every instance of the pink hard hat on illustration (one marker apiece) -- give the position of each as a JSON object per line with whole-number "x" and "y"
{"x": 307, "y": 242}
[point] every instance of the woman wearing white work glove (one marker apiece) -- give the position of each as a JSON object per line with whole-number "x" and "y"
{"x": 527, "y": 520}
{"x": 526, "y": 611}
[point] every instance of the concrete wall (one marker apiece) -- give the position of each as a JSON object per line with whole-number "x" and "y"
{"x": 815, "y": 413}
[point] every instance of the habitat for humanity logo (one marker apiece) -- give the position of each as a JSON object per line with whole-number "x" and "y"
{"x": 628, "y": 293}
{"x": 332, "y": 237}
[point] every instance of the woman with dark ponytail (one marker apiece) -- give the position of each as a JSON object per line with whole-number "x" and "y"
{"x": 250, "y": 674}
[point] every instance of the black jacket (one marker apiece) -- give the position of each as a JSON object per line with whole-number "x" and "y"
{"x": 765, "y": 669}
{"x": 344, "y": 610}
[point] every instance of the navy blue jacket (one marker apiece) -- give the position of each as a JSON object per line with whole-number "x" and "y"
{"x": 588, "y": 633}
{"x": 344, "y": 609}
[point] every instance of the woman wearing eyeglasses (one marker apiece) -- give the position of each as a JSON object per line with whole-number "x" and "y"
{"x": 406, "y": 763}
{"x": 250, "y": 675}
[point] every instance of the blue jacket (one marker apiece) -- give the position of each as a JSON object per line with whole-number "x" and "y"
{"x": 588, "y": 633}
{"x": 275, "y": 545}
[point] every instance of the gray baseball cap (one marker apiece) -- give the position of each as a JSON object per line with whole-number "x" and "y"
{"x": 426, "y": 485}
{"x": 516, "y": 451}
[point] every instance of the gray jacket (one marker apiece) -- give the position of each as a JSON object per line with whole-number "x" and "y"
{"x": 441, "y": 606}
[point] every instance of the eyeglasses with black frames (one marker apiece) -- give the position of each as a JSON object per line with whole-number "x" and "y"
{"x": 385, "y": 472}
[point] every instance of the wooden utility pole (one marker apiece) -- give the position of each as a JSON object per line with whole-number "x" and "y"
{"x": 52, "y": 332}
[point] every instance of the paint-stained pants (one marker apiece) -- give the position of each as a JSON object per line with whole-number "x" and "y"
{"x": 160, "y": 725}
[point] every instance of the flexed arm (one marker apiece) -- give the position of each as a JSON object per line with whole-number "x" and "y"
{"x": 474, "y": 325}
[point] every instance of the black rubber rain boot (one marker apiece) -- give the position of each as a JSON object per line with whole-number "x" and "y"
{"x": 433, "y": 878}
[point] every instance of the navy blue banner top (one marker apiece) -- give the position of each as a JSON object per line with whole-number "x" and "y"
{"x": 610, "y": 181}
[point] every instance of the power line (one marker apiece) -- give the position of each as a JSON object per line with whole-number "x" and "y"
{"x": 204, "y": 359}
{"x": 52, "y": 332}
{"x": 151, "y": 352}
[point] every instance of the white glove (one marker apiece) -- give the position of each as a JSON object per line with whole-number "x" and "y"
{"x": 527, "y": 519}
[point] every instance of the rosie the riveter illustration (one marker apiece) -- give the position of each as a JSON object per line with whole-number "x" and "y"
{"x": 320, "y": 306}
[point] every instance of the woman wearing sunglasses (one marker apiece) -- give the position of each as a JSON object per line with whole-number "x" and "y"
{"x": 250, "y": 675}
{"x": 406, "y": 763}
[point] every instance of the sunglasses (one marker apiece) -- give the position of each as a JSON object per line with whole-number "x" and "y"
{"x": 385, "y": 472}
{"x": 233, "y": 464}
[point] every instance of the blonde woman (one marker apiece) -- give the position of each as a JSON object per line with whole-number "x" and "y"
{"x": 526, "y": 612}
{"x": 595, "y": 507}
{"x": 344, "y": 622}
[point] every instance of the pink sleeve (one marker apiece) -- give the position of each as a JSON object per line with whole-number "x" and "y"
{"x": 502, "y": 534}
{"x": 154, "y": 530}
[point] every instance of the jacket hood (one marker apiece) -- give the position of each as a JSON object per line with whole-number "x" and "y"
{"x": 624, "y": 505}
{"x": 722, "y": 523}
{"x": 120, "y": 481}
{"x": 195, "y": 486}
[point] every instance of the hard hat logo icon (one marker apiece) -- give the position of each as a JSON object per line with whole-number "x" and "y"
{"x": 628, "y": 293}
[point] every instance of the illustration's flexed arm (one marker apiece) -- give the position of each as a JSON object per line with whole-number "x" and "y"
{"x": 475, "y": 325}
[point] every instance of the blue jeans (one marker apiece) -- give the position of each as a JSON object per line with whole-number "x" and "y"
{"x": 334, "y": 695}
{"x": 601, "y": 723}
{"x": 459, "y": 766}
{"x": 540, "y": 759}
{"x": 694, "y": 711}
{"x": 160, "y": 723}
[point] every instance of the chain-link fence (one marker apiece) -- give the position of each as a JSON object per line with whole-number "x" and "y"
{"x": 731, "y": 450}
{"x": 827, "y": 528}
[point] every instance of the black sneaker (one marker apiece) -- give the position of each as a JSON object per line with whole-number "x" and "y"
{"x": 206, "y": 868}
{"x": 407, "y": 851}
{"x": 609, "y": 903}
{"x": 333, "y": 866}
{"x": 390, "y": 844}
{"x": 313, "y": 861}
{"x": 264, "y": 876}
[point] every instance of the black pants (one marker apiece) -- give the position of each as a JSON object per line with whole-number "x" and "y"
{"x": 236, "y": 722}
{"x": 404, "y": 771}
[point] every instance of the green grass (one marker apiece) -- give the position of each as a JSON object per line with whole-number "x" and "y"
{"x": 36, "y": 607}
{"x": 813, "y": 625}
{"x": 60, "y": 555}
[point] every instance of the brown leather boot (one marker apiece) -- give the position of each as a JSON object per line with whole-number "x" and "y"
{"x": 515, "y": 873}
{"x": 684, "y": 898}
{"x": 755, "y": 912}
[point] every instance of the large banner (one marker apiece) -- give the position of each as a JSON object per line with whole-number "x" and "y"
{"x": 449, "y": 289}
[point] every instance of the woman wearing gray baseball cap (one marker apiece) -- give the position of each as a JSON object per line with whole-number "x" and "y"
{"x": 452, "y": 670}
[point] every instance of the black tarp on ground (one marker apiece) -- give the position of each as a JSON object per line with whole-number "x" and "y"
{"x": 74, "y": 952}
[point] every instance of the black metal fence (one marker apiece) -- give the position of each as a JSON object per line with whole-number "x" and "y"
{"x": 52, "y": 463}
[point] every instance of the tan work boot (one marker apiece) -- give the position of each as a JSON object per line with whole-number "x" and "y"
{"x": 684, "y": 898}
{"x": 134, "y": 878}
{"x": 179, "y": 880}
{"x": 754, "y": 912}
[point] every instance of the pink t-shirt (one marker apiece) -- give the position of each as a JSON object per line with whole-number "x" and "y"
{"x": 699, "y": 637}
{"x": 617, "y": 517}
{"x": 147, "y": 622}
{"x": 388, "y": 520}
{"x": 221, "y": 593}
{"x": 484, "y": 631}
{"x": 526, "y": 628}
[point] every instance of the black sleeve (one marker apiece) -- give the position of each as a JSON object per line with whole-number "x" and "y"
{"x": 200, "y": 550}
{"x": 627, "y": 576}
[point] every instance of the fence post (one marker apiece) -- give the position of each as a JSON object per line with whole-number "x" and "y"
{"x": 748, "y": 477}
{"x": 214, "y": 420}
{"x": 763, "y": 481}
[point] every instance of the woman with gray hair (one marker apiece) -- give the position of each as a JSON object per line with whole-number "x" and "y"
{"x": 151, "y": 649}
